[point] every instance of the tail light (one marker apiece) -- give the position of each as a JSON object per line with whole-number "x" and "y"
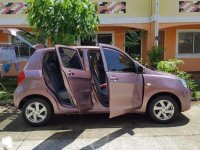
{"x": 21, "y": 77}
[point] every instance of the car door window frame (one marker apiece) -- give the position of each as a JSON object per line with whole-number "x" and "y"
{"x": 73, "y": 49}
{"x": 105, "y": 61}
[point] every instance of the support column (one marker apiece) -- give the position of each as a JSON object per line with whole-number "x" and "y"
{"x": 156, "y": 23}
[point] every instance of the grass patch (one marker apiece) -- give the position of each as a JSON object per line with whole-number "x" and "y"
{"x": 7, "y": 87}
{"x": 5, "y": 97}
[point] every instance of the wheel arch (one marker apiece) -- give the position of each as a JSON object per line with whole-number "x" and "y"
{"x": 165, "y": 94}
{"x": 22, "y": 102}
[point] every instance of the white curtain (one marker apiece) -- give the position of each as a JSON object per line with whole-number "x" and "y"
{"x": 7, "y": 55}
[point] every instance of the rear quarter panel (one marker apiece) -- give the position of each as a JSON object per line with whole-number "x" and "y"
{"x": 34, "y": 83}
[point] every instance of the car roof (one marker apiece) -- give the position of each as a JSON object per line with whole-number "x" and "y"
{"x": 74, "y": 47}
{"x": 83, "y": 48}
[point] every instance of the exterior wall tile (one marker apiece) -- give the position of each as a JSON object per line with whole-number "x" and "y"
{"x": 111, "y": 7}
{"x": 189, "y": 6}
{"x": 176, "y": 8}
{"x": 129, "y": 8}
{"x": 125, "y": 8}
{"x": 12, "y": 8}
{"x": 103, "y": 8}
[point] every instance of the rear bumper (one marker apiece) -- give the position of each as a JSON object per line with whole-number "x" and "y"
{"x": 16, "y": 96}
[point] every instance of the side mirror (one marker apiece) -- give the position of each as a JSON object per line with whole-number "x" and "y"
{"x": 140, "y": 69}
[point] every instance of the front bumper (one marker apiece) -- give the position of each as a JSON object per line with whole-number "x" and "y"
{"x": 186, "y": 100}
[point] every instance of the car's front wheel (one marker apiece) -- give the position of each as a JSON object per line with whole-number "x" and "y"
{"x": 163, "y": 109}
{"x": 36, "y": 112}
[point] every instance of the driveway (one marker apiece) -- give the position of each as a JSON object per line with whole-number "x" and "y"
{"x": 87, "y": 132}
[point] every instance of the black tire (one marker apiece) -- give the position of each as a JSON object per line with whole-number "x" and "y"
{"x": 48, "y": 113}
{"x": 171, "y": 117}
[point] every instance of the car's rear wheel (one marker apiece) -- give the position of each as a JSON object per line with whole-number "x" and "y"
{"x": 36, "y": 112}
{"x": 163, "y": 109}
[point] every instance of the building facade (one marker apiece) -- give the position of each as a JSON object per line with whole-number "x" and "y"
{"x": 179, "y": 26}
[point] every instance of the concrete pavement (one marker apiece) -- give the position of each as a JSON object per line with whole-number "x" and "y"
{"x": 87, "y": 132}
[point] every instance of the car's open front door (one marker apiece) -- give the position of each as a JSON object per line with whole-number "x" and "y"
{"x": 78, "y": 79}
{"x": 125, "y": 85}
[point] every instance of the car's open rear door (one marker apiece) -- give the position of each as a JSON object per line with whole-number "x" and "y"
{"x": 78, "y": 79}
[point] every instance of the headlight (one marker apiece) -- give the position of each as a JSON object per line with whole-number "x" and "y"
{"x": 184, "y": 83}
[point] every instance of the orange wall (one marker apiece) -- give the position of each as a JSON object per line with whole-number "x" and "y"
{"x": 147, "y": 41}
{"x": 119, "y": 35}
{"x": 120, "y": 38}
{"x": 3, "y": 38}
{"x": 190, "y": 64}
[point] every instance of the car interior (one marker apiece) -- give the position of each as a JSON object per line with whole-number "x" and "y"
{"x": 99, "y": 76}
{"x": 53, "y": 77}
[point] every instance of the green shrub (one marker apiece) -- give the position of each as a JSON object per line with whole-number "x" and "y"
{"x": 5, "y": 95}
{"x": 171, "y": 66}
{"x": 133, "y": 39}
{"x": 156, "y": 54}
{"x": 7, "y": 87}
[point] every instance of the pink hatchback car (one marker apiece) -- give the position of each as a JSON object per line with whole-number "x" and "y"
{"x": 98, "y": 79}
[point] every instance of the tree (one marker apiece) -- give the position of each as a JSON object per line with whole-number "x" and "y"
{"x": 62, "y": 21}
{"x": 133, "y": 39}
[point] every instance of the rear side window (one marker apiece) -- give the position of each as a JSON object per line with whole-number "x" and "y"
{"x": 70, "y": 58}
{"x": 118, "y": 62}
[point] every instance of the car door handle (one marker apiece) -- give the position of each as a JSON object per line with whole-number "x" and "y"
{"x": 70, "y": 73}
{"x": 114, "y": 78}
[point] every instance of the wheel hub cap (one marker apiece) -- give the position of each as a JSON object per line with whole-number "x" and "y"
{"x": 36, "y": 112}
{"x": 163, "y": 110}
